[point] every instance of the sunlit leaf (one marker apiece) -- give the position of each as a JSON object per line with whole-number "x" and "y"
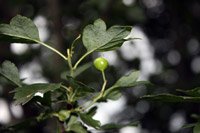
{"x": 97, "y": 37}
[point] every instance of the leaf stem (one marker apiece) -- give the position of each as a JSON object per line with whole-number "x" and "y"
{"x": 85, "y": 55}
{"x": 73, "y": 43}
{"x": 69, "y": 55}
{"x": 104, "y": 83}
{"x": 103, "y": 75}
{"x": 52, "y": 49}
{"x": 66, "y": 88}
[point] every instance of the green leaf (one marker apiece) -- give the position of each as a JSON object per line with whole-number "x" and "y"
{"x": 126, "y": 81}
{"x": 62, "y": 115}
{"x": 97, "y": 38}
{"x": 75, "y": 126}
{"x": 77, "y": 71}
{"x": 170, "y": 98}
{"x": 80, "y": 89}
{"x": 78, "y": 128}
{"x": 21, "y": 29}
{"x": 112, "y": 126}
{"x": 10, "y": 72}
{"x": 92, "y": 111}
{"x": 196, "y": 129}
{"x": 81, "y": 69}
{"x": 26, "y": 93}
{"x": 73, "y": 119}
{"x": 114, "y": 92}
{"x": 87, "y": 119}
{"x": 193, "y": 92}
{"x": 114, "y": 95}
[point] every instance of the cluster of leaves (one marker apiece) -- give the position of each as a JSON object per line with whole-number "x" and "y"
{"x": 192, "y": 96}
{"x": 96, "y": 38}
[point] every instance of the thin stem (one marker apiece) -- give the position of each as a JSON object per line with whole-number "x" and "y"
{"x": 70, "y": 94}
{"x": 74, "y": 42}
{"x": 53, "y": 49}
{"x": 104, "y": 77}
{"x": 70, "y": 62}
{"x": 103, "y": 88}
{"x": 100, "y": 94}
{"x": 66, "y": 88}
{"x": 104, "y": 83}
{"x": 86, "y": 54}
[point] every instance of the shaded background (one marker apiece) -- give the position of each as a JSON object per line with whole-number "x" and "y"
{"x": 167, "y": 55}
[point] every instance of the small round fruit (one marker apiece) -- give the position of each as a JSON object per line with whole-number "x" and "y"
{"x": 100, "y": 63}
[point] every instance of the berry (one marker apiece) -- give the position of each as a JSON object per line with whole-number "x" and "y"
{"x": 100, "y": 63}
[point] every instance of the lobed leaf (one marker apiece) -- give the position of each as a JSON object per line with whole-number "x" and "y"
{"x": 97, "y": 38}
{"x": 25, "y": 93}
{"x": 21, "y": 29}
{"x": 10, "y": 72}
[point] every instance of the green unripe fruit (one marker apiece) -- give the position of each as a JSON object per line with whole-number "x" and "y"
{"x": 100, "y": 63}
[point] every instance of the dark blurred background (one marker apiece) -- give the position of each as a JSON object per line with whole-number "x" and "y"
{"x": 168, "y": 55}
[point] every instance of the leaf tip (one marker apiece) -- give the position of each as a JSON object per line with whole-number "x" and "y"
{"x": 100, "y": 23}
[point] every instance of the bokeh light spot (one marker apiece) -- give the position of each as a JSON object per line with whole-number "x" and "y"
{"x": 16, "y": 110}
{"x": 5, "y": 116}
{"x": 173, "y": 57}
